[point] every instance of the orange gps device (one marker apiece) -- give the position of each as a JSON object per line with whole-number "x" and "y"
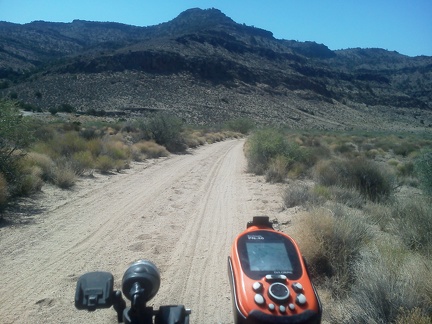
{"x": 269, "y": 279}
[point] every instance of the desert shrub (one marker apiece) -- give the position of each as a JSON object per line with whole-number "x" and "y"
{"x": 404, "y": 148}
{"x": 66, "y": 108}
{"x": 297, "y": 170}
{"x": 69, "y": 143}
{"x": 14, "y": 140}
{"x": 44, "y": 132}
{"x": 89, "y": 133}
{"x": 63, "y": 174}
{"x": 149, "y": 149}
{"x": 82, "y": 162}
{"x": 29, "y": 182}
{"x": 379, "y": 214}
{"x": 371, "y": 179}
{"x": 263, "y": 146}
{"x": 413, "y": 218}
{"x": 214, "y": 137}
{"x": 95, "y": 147}
{"x": 42, "y": 161}
{"x": 166, "y": 130}
{"x": 347, "y": 196}
{"x": 328, "y": 172}
{"x": 372, "y": 153}
{"x": 53, "y": 110}
{"x": 267, "y": 144}
{"x": 413, "y": 316}
{"x": 423, "y": 170}
{"x": 3, "y": 191}
{"x": 345, "y": 148}
{"x": 241, "y": 125}
{"x": 195, "y": 138}
{"x": 316, "y": 153}
{"x": 405, "y": 169}
{"x": 116, "y": 149}
{"x": 296, "y": 195}
{"x": 277, "y": 169}
{"x": 333, "y": 246}
{"x": 389, "y": 283}
{"x": 105, "y": 163}
{"x": 322, "y": 191}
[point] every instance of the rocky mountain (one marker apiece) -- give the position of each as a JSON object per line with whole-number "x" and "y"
{"x": 205, "y": 67}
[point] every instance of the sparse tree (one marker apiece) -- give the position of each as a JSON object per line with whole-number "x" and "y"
{"x": 14, "y": 138}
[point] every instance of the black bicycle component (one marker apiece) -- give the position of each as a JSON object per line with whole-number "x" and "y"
{"x": 141, "y": 279}
{"x": 94, "y": 290}
{"x": 140, "y": 283}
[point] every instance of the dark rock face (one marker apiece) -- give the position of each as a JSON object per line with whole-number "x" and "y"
{"x": 205, "y": 51}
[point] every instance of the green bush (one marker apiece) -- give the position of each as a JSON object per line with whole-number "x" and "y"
{"x": 266, "y": 145}
{"x": 82, "y": 162}
{"x": 66, "y": 108}
{"x": 263, "y": 146}
{"x": 14, "y": 139}
{"x": 372, "y": 180}
{"x": 166, "y": 130}
{"x": 105, "y": 164}
{"x": 423, "y": 170}
{"x": 241, "y": 125}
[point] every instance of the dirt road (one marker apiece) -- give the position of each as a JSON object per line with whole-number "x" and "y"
{"x": 181, "y": 212}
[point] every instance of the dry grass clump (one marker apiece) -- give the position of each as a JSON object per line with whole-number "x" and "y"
{"x": 148, "y": 150}
{"x": 297, "y": 195}
{"x": 195, "y": 139}
{"x": 391, "y": 283}
{"x": 116, "y": 149}
{"x": 63, "y": 174}
{"x": 83, "y": 162}
{"x": 370, "y": 179}
{"x": 214, "y": 137}
{"x": 334, "y": 241}
{"x": 413, "y": 222}
{"x": 43, "y": 161}
{"x": 105, "y": 164}
{"x": 277, "y": 169}
{"x": 423, "y": 169}
{"x": 413, "y": 316}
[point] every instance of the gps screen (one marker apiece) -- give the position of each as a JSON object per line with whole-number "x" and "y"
{"x": 268, "y": 257}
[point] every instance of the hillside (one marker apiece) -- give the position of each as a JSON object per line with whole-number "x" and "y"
{"x": 205, "y": 67}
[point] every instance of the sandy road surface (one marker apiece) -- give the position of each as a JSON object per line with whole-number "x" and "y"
{"x": 182, "y": 213}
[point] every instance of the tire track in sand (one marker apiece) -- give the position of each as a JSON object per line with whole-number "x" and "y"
{"x": 182, "y": 213}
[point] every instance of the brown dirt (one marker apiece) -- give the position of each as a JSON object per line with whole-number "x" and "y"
{"x": 181, "y": 212}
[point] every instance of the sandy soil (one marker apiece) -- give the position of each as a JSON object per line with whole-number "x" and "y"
{"x": 181, "y": 212}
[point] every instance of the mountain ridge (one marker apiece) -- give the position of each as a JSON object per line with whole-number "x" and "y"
{"x": 75, "y": 63}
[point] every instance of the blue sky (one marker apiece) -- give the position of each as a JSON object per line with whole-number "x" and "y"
{"x": 397, "y": 25}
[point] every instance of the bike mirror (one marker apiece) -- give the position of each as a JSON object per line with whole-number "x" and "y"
{"x": 94, "y": 290}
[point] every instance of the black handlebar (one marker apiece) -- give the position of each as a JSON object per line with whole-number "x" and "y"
{"x": 140, "y": 284}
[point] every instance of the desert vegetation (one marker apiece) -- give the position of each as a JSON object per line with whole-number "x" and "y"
{"x": 35, "y": 151}
{"x": 367, "y": 200}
